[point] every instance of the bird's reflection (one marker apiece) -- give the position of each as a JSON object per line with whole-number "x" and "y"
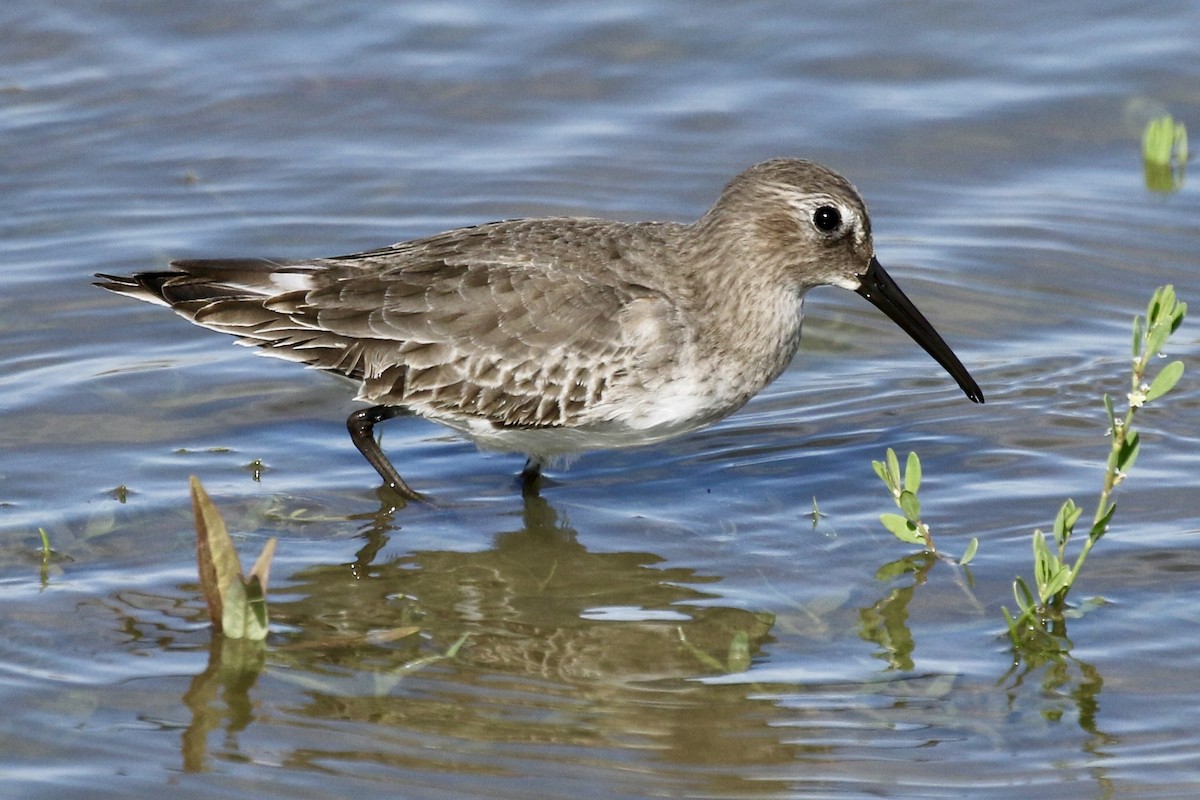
{"x": 536, "y": 602}
{"x": 532, "y": 620}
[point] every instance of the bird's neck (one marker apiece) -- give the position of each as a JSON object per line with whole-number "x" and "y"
{"x": 752, "y": 312}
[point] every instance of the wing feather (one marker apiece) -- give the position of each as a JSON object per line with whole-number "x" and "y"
{"x": 466, "y": 324}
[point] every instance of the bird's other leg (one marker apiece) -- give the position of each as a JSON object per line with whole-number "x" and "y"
{"x": 531, "y": 476}
{"x": 361, "y": 425}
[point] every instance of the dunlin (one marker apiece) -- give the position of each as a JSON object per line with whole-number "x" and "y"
{"x": 553, "y": 336}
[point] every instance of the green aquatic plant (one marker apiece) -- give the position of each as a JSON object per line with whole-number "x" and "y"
{"x": 1164, "y": 153}
{"x": 816, "y": 514}
{"x": 237, "y": 604}
{"x": 1042, "y": 607}
{"x": 908, "y": 527}
{"x": 1038, "y": 627}
{"x": 47, "y": 553}
{"x": 1165, "y": 140}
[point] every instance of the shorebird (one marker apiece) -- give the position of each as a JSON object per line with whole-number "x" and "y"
{"x": 553, "y": 336}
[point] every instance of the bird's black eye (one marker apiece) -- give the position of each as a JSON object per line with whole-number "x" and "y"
{"x": 827, "y": 219}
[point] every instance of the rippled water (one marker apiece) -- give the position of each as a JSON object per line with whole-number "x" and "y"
{"x": 662, "y": 622}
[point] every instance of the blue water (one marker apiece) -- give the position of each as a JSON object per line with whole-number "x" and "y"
{"x": 998, "y": 148}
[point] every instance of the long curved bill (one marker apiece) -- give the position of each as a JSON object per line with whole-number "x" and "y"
{"x": 878, "y": 287}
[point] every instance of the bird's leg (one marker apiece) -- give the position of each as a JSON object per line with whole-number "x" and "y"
{"x": 531, "y": 475}
{"x": 361, "y": 425}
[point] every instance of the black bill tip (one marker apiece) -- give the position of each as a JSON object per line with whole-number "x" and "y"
{"x": 878, "y": 287}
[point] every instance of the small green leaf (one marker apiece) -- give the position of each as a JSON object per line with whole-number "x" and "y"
{"x": 1058, "y": 581}
{"x": 1012, "y": 624}
{"x": 1165, "y": 381}
{"x": 1137, "y": 336}
{"x": 901, "y": 528}
{"x": 1064, "y": 522}
{"x": 1177, "y": 316}
{"x": 1046, "y": 565}
{"x": 893, "y": 467}
{"x": 455, "y": 646}
{"x": 881, "y": 470}
{"x": 912, "y": 473}
{"x": 969, "y": 554}
{"x": 1101, "y": 525}
{"x": 1164, "y": 153}
{"x": 262, "y": 565}
{"x": 1162, "y": 305}
{"x": 1156, "y": 339}
{"x": 1112, "y": 417}
{"x": 1023, "y": 596}
{"x": 257, "y": 623}
{"x": 1156, "y": 302}
{"x": 1128, "y": 452}
{"x": 1163, "y": 138}
{"x": 1040, "y": 554}
{"x": 910, "y": 505}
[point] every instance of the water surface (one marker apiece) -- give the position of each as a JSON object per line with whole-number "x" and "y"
{"x": 662, "y": 622}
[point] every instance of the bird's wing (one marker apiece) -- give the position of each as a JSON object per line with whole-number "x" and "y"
{"x": 465, "y": 324}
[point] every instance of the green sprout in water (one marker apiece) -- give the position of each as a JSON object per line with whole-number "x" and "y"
{"x": 237, "y": 604}
{"x": 1042, "y": 608}
{"x": 909, "y": 527}
{"x": 1163, "y": 139}
{"x": 1164, "y": 153}
{"x": 47, "y": 554}
{"x": 816, "y": 513}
